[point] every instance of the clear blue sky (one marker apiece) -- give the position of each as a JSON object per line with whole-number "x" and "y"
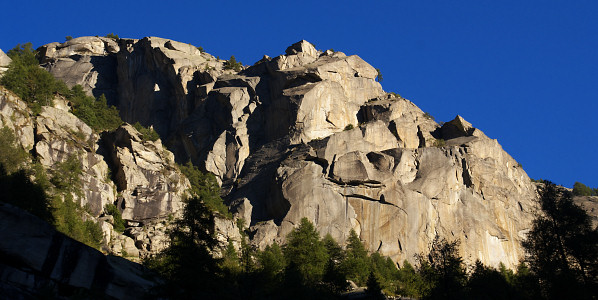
{"x": 524, "y": 72}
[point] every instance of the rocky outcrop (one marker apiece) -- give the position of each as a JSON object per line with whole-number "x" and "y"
{"x": 149, "y": 183}
{"x": 160, "y": 81}
{"x": 300, "y": 96}
{"x": 87, "y": 61}
{"x": 40, "y": 262}
{"x": 398, "y": 199}
{"x": 4, "y": 62}
{"x": 312, "y": 134}
{"x": 117, "y": 168}
{"x": 60, "y": 135}
{"x": 15, "y": 115}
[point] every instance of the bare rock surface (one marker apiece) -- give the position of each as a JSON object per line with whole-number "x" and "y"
{"x": 590, "y": 205}
{"x": 149, "y": 183}
{"x": 398, "y": 199}
{"x": 312, "y": 134}
{"x": 61, "y": 135}
{"x": 87, "y": 61}
{"x": 15, "y": 115}
{"x": 4, "y": 62}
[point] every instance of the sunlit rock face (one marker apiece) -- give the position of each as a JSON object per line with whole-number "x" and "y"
{"x": 149, "y": 183}
{"x": 398, "y": 199}
{"x": 312, "y": 134}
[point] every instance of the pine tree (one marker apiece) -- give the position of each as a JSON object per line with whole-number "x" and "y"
{"x": 442, "y": 271}
{"x": 187, "y": 264}
{"x": 306, "y": 252}
{"x": 356, "y": 263}
{"x": 334, "y": 276}
{"x": 374, "y": 290}
{"x": 562, "y": 247}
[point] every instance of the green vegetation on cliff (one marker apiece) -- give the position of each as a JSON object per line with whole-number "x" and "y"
{"x": 94, "y": 112}
{"x": 12, "y": 155}
{"x": 205, "y": 186}
{"x": 37, "y": 87}
{"x": 580, "y": 189}
{"x": 24, "y": 183}
{"x": 233, "y": 64}
{"x": 147, "y": 134}
{"x": 119, "y": 223}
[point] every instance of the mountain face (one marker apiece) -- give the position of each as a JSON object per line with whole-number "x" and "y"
{"x": 305, "y": 134}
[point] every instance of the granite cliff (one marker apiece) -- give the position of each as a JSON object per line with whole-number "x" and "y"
{"x": 305, "y": 134}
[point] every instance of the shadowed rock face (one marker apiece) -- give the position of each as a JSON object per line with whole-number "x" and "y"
{"x": 277, "y": 136}
{"x": 39, "y": 262}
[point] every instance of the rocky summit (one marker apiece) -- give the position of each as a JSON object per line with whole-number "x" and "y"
{"x": 305, "y": 134}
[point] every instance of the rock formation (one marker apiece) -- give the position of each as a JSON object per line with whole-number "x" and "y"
{"x": 4, "y": 62}
{"x": 117, "y": 168}
{"x": 15, "y": 115}
{"x": 144, "y": 172}
{"x": 306, "y": 134}
{"x": 87, "y": 61}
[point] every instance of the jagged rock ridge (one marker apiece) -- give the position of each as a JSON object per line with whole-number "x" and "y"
{"x": 274, "y": 134}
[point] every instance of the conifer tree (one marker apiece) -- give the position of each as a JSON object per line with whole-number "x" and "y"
{"x": 562, "y": 247}
{"x": 306, "y": 252}
{"x": 356, "y": 263}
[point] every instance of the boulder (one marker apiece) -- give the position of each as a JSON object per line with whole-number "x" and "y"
{"x": 458, "y": 127}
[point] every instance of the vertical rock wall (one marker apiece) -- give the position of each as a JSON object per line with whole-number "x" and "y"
{"x": 312, "y": 134}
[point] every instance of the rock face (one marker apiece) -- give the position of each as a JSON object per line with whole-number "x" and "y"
{"x": 312, "y": 134}
{"x": 397, "y": 199}
{"x": 87, "y": 61}
{"x": 590, "y": 205}
{"x": 297, "y": 97}
{"x": 4, "y": 62}
{"x": 36, "y": 258}
{"x": 15, "y": 115}
{"x": 149, "y": 183}
{"x": 120, "y": 168}
{"x": 60, "y": 135}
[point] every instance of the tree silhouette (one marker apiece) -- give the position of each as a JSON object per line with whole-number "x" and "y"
{"x": 442, "y": 270}
{"x": 562, "y": 247}
{"x": 374, "y": 290}
{"x": 334, "y": 276}
{"x": 17, "y": 189}
{"x": 187, "y": 265}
